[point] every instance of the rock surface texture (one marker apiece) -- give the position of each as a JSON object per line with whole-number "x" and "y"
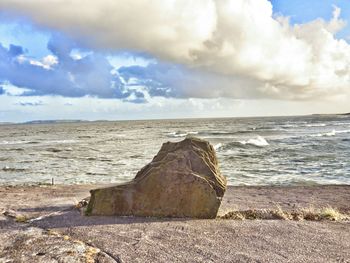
{"x": 183, "y": 180}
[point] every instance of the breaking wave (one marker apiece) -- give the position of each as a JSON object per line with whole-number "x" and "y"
{"x": 181, "y": 134}
{"x": 259, "y": 141}
{"x": 316, "y": 125}
{"x": 13, "y": 142}
{"x": 218, "y": 146}
{"x": 328, "y": 134}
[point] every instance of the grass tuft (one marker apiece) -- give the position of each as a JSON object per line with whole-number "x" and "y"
{"x": 280, "y": 214}
{"x": 21, "y": 219}
{"x": 310, "y": 214}
{"x": 333, "y": 214}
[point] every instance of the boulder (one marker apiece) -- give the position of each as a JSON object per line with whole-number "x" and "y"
{"x": 182, "y": 180}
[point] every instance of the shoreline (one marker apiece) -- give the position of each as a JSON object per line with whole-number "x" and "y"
{"x": 58, "y": 226}
{"x": 64, "y": 121}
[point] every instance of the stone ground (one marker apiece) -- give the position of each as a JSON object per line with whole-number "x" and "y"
{"x": 59, "y": 233}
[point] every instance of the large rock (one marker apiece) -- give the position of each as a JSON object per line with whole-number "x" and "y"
{"x": 183, "y": 180}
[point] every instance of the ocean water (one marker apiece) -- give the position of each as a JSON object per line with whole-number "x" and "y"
{"x": 251, "y": 151}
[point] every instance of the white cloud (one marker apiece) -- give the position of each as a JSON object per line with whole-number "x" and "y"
{"x": 46, "y": 62}
{"x": 49, "y": 61}
{"x": 336, "y": 24}
{"x": 237, "y": 46}
{"x": 13, "y": 90}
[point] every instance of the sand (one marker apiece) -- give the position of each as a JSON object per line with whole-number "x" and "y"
{"x": 64, "y": 235}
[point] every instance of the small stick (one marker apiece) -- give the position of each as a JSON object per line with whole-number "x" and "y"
{"x": 52, "y": 181}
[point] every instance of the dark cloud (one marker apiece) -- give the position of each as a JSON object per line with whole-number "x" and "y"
{"x": 138, "y": 98}
{"x": 89, "y": 76}
{"x": 178, "y": 81}
{"x": 15, "y": 50}
{"x": 158, "y": 78}
{"x": 93, "y": 75}
{"x": 60, "y": 46}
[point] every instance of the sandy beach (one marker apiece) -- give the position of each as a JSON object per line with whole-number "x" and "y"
{"x": 59, "y": 233}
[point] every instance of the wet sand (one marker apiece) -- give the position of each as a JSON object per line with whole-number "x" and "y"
{"x": 127, "y": 239}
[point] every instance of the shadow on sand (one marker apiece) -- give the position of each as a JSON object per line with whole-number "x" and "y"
{"x": 63, "y": 217}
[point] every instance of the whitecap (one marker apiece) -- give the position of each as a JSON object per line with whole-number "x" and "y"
{"x": 315, "y": 125}
{"x": 62, "y": 141}
{"x": 344, "y": 131}
{"x": 341, "y": 123}
{"x": 218, "y": 146}
{"x": 258, "y": 141}
{"x": 331, "y": 133}
{"x": 181, "y": 134}
{"x": 13, "y": 142}
{"x": 175, "y": 135}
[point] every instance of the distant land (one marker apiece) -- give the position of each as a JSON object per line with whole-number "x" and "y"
{"x": 51, "y": 121}
{"x": 43, "y": 122}
{"x": 77, "y": 120}
{"x": 4, "y": 123}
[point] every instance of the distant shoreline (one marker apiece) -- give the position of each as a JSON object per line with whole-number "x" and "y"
{"x": 161, "y": 119}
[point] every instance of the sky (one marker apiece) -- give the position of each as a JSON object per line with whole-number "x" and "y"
{"x": 137, "y": 59}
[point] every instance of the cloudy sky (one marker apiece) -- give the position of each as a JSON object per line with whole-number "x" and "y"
{"x": 138, "y": 59}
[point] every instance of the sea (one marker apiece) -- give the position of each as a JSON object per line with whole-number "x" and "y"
{"x": 298, "y": 150}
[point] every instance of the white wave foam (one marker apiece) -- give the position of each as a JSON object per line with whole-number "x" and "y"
{"x": 181, "y": 134}
{"x": 303, "y": 124}
{"x": 176, "y": 134}
{"x": 258, "y": 141}
{"x": 315, "y": 125}
{"x": 217, "y": 146}
{"x": 331, "y": 133}
{"x": 344, "y": 131}
{"x": 341, "y": 123}
{"x": 61, "y": 141}
{"x": 13, "y": 142}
